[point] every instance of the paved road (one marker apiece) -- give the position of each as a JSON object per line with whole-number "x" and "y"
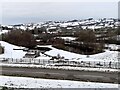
{"x": 61, "y": 74}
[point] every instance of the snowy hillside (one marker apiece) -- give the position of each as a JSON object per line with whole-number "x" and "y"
{"x": 84, "y": 23}
{"x": 10, "y": 52}
{"x": 105, "y": 56}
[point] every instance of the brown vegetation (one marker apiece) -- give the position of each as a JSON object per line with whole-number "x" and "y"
{"x": 1, "y": 50}
{"x": 20, "y": 38}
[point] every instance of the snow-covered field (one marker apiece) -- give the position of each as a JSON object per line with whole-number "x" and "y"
{"x": 65, "y": 54}
{"x": 3, "y": 31}
{"x": 104, "y": 58}
{"x": 25, "y": 82}
{"x": 9, "y": 52}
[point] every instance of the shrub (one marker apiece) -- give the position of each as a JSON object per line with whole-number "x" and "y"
{"x": 1, "y": 50}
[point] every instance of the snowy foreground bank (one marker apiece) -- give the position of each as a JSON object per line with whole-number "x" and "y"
{"x": 25, "y": 82}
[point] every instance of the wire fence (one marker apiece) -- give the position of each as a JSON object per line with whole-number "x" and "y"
{"x": 59, "y": 62}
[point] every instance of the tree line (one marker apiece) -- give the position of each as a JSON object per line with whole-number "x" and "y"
{"x": 20, "y": 38}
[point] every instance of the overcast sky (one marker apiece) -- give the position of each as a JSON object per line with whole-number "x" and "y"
{"x": 15, "y": 12}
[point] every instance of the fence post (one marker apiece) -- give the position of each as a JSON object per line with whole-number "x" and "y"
{"x": 89, "y": 63}
{"x": 8, "y": 60}
{"x": 12, "y": 60}
{"x": 104, "y": 64}
{"x": 94, "y": 63}
{"x": 43, "y": 61}
{"x": 116, "y": 66}
{"x": 53, "y": 61}
{"x": 99, "y": 64}
{"x": 39, "y": 61}
{"x": 30, "y": 60}
{"x": 48, "y": 62}
{"x": 34, "y": 61}
{"x": 110, "y": 64}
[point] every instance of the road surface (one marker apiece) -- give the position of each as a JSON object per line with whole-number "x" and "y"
{"x": 111, "y": 77}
